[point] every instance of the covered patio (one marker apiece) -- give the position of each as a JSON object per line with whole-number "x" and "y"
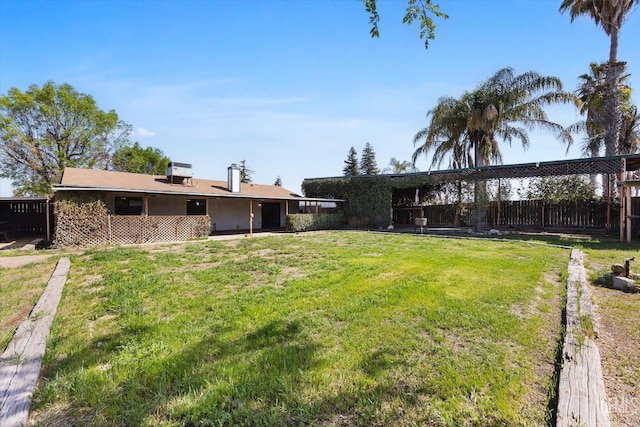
{"x": 400, "y": 198}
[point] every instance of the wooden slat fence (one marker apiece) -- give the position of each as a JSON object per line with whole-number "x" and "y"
{"x": 439, "y": 215}
{"x": 26, "y": 217}
{"x": 537, "y": 213}
{"x": 589, "y": 214}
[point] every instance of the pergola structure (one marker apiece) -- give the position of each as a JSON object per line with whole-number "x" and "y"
{"x": 626, "y": 215}
{"x": 608, "y": 167}
{"x": 612, "y": 169}
{"x": 614, "y": 165}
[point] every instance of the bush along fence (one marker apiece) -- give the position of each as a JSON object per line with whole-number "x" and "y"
{"x": 309, "y": 222}
{"x": 83, "y": 220}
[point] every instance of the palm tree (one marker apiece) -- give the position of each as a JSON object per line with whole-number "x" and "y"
{"x": 503, "y": 108}
{"x": 397, "y": 166}
{"x": 591, "y": 93}
{"x": 629, "y": 140}
{"x": 592, "y": 96}
{"x": 610, "y": 15}
{"x": 446, "y": 134}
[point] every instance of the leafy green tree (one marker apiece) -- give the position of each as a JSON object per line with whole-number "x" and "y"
{"x": 351, "y": 164}
{"x": 368, "y": 165}
{"x": 502, "y": 108}
{"x": 136, "y": 159}
{"x": 566, "y": 188}
{"x": 245, "y": 173}
{"x": 396, "y": 166}
{"x": 48, "y": 128}
{"x": 417, "y": 10}
{"x": 610, "y": 15}
{"x": 278, "y": 182}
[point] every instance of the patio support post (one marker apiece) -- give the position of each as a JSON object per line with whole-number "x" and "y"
{"x": 626, "y": 190}
{"x": 316, "y": 207}
{"x": 250, "y": 217}
{"x": 621, "y": 217}
{"x": 146, "y": 205}
{"x": 46, "y": 210}
{"x": 497, "y": 220}
{"x": 608, "y": 214}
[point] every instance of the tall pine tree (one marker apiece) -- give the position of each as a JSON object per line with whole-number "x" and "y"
{"x": 368, "y": 164}
{"x": 245, "y": 173}
{"x": 351, "y": 164}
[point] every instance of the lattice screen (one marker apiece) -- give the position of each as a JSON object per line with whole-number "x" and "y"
{"x": 125, "y": 230}
{"x": 561, "y": 168}
{"x": 152, "y": 229}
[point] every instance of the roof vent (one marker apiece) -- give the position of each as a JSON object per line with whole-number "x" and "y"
{"x": 178, "y": 172}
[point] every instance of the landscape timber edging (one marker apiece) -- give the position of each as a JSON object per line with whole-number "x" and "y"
{"x": 21, "y": 361}
{"x": 582, "y": 399}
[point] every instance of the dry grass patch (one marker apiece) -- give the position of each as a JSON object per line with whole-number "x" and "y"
{"x": 616, "y": 315}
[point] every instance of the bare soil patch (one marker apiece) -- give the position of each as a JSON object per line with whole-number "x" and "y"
{"x": 619, "y": 341}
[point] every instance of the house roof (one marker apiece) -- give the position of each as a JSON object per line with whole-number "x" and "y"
{"x": 74, "y": 179}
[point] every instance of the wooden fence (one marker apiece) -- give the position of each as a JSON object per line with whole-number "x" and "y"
{"x": 26, "y": 217}
{"x": 525, "y": 214}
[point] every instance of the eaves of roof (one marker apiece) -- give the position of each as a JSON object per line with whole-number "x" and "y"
{"x": 60, "y": 187}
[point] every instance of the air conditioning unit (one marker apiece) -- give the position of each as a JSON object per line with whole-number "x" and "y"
{"x": 178, "y": 172}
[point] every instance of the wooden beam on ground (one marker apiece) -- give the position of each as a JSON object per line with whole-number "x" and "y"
{"x": 581, "y": 396}
{"x": 20, "y": 363}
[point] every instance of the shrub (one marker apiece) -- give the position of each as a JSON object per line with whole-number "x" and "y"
{"x": 306, "y": 222}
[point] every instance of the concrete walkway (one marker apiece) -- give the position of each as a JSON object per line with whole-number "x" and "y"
{"x": 20, "y": 363}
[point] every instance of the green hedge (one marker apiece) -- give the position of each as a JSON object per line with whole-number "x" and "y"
{"x": 307, "y": 222}
{"x": 368, "y": 199}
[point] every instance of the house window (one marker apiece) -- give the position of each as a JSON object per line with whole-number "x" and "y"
{"x": 196, "y": 207}
{"x": 128, "y": 205}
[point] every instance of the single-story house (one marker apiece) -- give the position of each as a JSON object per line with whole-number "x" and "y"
{"x": 97, "y": 206}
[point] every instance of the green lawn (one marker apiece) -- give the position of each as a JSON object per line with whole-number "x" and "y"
{"x": 336, "y": 328}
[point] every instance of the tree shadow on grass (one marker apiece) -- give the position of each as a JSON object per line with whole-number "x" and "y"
{"x": 260, "y": 378}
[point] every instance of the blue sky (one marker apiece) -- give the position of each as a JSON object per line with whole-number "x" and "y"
{"x": 290, "y": 85}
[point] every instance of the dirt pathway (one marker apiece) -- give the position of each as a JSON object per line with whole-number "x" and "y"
{"x": 17, "y": 261}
